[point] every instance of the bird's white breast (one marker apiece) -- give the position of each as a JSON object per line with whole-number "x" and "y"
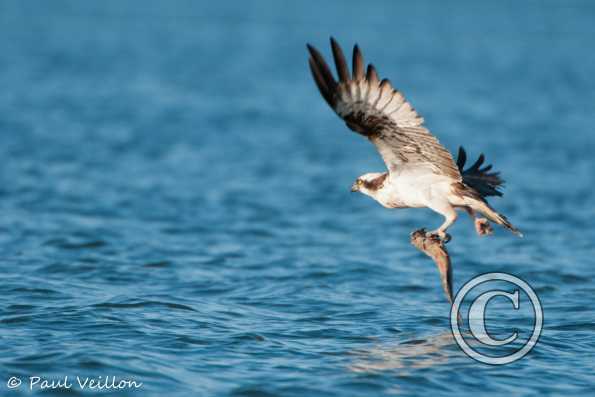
{"x": 413, "y": 190}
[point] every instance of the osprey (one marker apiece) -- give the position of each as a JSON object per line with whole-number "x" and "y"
{"x": 421, "y": 172}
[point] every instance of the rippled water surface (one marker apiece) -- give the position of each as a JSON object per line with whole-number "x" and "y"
{"x": 175, "y": 202}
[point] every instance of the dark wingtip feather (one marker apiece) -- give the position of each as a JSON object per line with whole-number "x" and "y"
{"x": 358, "y": 64}
{"x": 372, "y": 75}
{"x": 320, "y": 65}
{"x": 385, "y": 82}
{"x": 484, "y": 182}
{"x": 340, "y": 62}
{"x": 461, "y": 158}
{"x": 320, "y": 83}
{"x": 478, "y": 163}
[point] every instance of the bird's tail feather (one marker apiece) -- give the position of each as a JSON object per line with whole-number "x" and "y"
{"x": 493, "y": 215}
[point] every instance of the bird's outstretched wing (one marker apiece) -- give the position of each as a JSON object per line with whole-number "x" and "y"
{"x": 481, "y": 179}
{"x": 373, "y": 108}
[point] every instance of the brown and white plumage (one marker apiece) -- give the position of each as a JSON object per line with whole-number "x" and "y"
{"x": 421, "y": 172}
{"x": 376, "y": 110}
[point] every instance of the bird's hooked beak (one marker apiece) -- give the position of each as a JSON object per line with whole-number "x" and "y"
{"x": 355, "y": 187}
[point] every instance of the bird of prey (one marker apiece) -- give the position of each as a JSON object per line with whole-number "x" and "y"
{"x": 421, "y": 172}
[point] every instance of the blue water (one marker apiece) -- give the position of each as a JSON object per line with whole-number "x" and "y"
{"x": 175, "y": 206}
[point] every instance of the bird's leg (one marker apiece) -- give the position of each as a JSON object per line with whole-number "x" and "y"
{"x": 482, "y": 225}
{"x": 450, "y": 217}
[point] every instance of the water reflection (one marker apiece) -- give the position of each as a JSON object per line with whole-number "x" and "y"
{"x": 415, "y": 353}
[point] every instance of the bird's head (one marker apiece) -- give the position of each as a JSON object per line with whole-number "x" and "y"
{"x": 369, "y": 183}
